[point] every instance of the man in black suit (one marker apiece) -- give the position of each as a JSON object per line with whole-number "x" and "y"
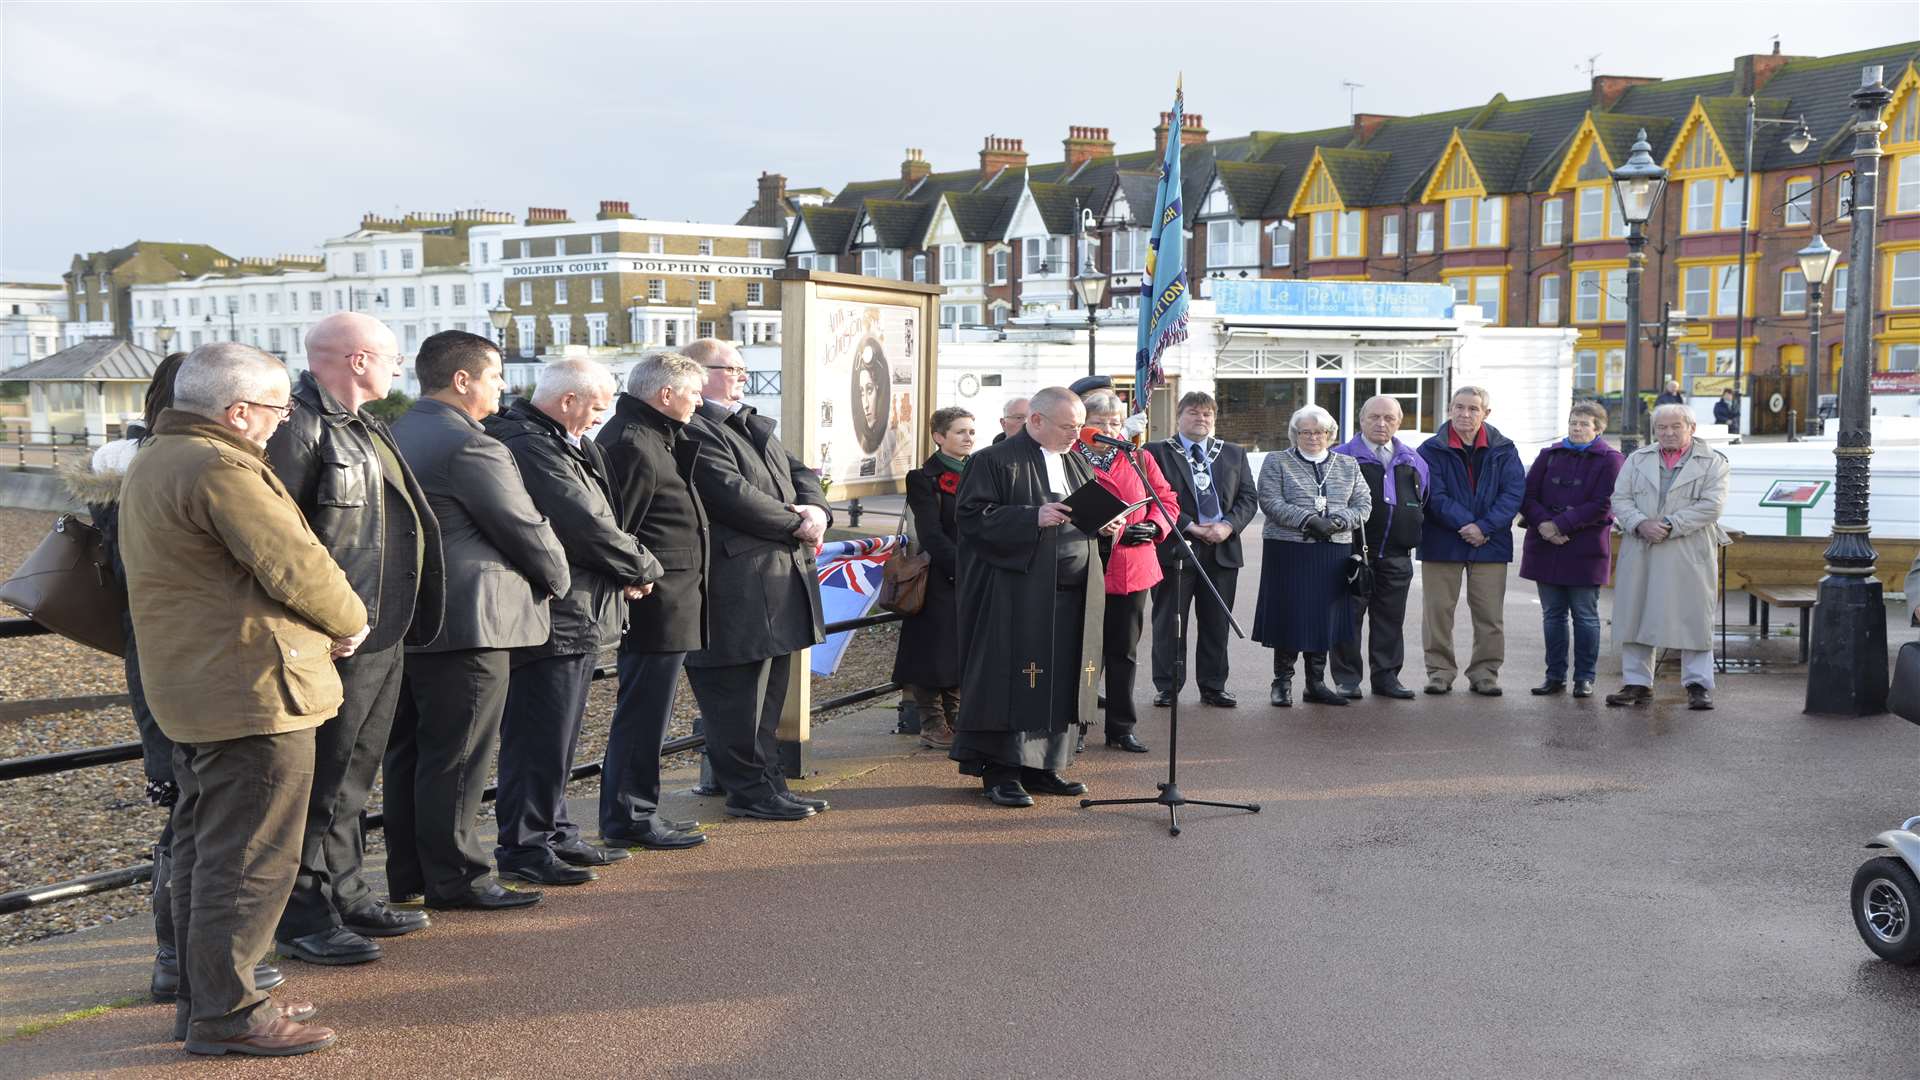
{"x": 547, "y": 695}
{"x": 340, "y": 464}
{"x": 650, "y": 450}
{"x": 1217, "y": 501}
{"x": 504, "y": 564}
{"x": 768, "y": 513}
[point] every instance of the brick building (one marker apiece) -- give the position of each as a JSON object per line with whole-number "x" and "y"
{"x": 1507, "y": 201}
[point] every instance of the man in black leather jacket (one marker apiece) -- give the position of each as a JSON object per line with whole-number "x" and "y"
{"x": 364, "y": 504}
{"x": 566, "y": 477}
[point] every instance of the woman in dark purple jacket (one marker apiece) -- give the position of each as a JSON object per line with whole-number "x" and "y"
{"x": 1565, "y": 512}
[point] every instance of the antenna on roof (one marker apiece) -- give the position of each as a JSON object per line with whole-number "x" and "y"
{"x": 1592, "y": 65}
{"x": 1351, "y": 87}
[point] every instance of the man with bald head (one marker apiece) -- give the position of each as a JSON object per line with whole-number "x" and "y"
{"x": 566, "y": 477}
{"x": 341, "y": 466}
{"x": 1033, "y": 607}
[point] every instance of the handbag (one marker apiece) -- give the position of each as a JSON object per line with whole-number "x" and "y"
{"x": 903, "y": 579}
{"x": 1904, "y": 699}
{"x": 67, "y": 585}
{"x": 1359, "y": 572}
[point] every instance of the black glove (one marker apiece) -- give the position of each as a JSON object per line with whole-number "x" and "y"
{"x": 1318, "y": 527}
{"x": 1143, "y": 533}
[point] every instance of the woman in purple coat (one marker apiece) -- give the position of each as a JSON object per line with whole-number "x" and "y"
{"x": 1567, "y": 518}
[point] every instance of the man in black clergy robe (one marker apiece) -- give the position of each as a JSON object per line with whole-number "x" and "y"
{"x": 1032, "y": 605}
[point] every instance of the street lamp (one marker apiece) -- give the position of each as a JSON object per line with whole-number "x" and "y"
{"x": 1798, "y": 140}
{"x": 499, "y": 315}
{"x": 1817, "y": 261}
{"x": 164, "y": 335}
{"x": 1638, "y": 184}
{"x": 1091, "y": 285}
{"x": 1847, "y": 665}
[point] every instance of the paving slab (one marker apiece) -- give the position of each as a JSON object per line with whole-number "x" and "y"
{"x": 1452, "y": 886}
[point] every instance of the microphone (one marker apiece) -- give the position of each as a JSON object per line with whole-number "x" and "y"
{"x": 1091, "y": 435}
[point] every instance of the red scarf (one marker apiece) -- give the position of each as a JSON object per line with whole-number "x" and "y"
{"x": 1479, "y": 443}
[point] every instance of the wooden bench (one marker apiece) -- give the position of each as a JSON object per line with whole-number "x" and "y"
{"x": 1768, "y": 597}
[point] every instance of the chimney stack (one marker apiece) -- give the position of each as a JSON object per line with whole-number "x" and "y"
{"x": 1752, "y": 73}
{"x": 915, "y": 168}
{"x": 547, "y": 215}
{"x": 1607, "y": 90}
{"x": 1366, "y": 125}
{"x": 611, "y": 209}
{"x": 999, "y": 153}
{"x": 1083, "y": 144}
{"x": 1193, "y": 132}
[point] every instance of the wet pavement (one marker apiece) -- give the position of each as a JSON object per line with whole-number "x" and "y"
{"x": 1451, "y": 886}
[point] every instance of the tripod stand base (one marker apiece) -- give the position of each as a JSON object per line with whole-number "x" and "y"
{"x": 1171, "y": 798}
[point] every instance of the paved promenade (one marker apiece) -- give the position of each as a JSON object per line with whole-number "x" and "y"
{"x": 1447, "y": 887}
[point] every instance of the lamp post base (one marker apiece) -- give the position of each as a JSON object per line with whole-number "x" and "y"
{"x": 1847, "y": 666}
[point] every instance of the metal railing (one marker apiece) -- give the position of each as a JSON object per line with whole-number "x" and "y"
{"x": 90, "y": 757}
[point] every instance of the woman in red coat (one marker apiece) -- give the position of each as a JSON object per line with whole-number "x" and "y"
{"x": 1133, "y": 567}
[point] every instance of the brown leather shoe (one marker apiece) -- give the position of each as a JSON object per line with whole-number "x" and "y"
{"x": 298, "y": 1011}
{"x": 936, "y": 738}
{"x": 280, "y": 1037}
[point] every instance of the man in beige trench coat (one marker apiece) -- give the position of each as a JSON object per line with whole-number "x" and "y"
{"x": 1667, "y": 503}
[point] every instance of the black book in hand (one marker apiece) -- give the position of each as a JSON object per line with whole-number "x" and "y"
{"x": 1093, "y": 506}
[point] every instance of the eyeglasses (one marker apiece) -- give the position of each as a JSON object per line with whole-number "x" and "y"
{"x": 396, "y": 359}
{"x": 285, "y": 411}
{"x": 736, "y": 372}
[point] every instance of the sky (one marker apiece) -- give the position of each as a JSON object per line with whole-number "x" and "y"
{"x": 266, "y": 128}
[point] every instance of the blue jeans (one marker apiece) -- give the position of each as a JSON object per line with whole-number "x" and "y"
{"x": 1583, "y": 603}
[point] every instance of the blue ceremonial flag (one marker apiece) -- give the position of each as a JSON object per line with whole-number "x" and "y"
{"x": 1163, "y": 295}
{"x": 849, "y": 573}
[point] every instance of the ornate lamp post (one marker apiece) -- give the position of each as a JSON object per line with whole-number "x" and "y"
{"x": 1847, "y": 672}
{"x": 1817, "y": 262}
{"x": 1091, "y": 285}
{"x": 1638, "y": 183}
{"x": 1797, "y": 141}
{"x": 164, "y": 335}
{"x": 499, "y": 315}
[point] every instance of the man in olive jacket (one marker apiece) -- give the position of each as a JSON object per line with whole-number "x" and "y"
{"x": 364, "y": 504}
{"x": 505, "y": 564}
{"x": 547, "y": 696}
{"x": 650, "y": 451}
{"x": 768, "y": 513}
{"x": 239, "y": 612}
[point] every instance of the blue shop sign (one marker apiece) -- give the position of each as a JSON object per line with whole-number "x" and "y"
{"x": 1334, "y": 299}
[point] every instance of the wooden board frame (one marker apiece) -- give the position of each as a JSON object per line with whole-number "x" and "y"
{"x": 801, "y": 295}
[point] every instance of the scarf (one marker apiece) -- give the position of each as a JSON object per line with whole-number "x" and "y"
{"x": 953, "y": 464}
{"x": 1100, "y": 457}
{"x": 1579, "y": 447}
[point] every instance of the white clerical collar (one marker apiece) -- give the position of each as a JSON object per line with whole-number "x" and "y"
{"x": 730, "y": 406}
{"x": 1315, "y": 458}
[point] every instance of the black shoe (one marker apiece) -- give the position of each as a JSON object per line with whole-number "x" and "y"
{"x": 581, "y": 853}
{"x": 1351, "y": 693}
{"x": 661, "y": 838}
{"x": 1699, "y": 698}
{"x": 1583, "y": 688}
{"x": 815, "y": 805}
{"x": 1392, "y": 690}
{"x": 1631, "y": 695}
{"x": 1219, "y": 699}
{"x": 379, "y": 920}
{"x": 676, "y": 824}
{"x": 551, "y": 872}
{"x": 335, "y": 946}
{"x": 1164, "y": 698}
{"x": 1042, "y": 782}
{"x": 1010, "y": 793}
{"x": 1319, "y": 693}
{"x": 1126, "y": 742}
{"x": 772, "y": 808}
{"x": 487, "y": 896}
{"x": 1281, "y": 694}
{"x": 1549, "y": 688}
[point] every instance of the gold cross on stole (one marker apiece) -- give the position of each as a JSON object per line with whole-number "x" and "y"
{"x": 1090, "y": 669}
{"x": 1033, "y": 671}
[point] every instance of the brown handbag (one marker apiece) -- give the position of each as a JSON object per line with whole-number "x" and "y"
{"x": 903, "y": 583}
{"x": 67, "y": 585}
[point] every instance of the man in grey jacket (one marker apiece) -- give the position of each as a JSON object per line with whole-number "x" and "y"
{"x": 503, "y": 565}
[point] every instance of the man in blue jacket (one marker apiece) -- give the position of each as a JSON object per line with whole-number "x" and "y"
{"x": 1478, "y": 484}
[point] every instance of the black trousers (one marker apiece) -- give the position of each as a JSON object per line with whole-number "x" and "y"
{"x": 236, "y": 848}
{"x": 1208, "y": 629}
{"x": 740, "y": 706}
{"x": 444, "y": 736}
{"x": 1384, "y": 613}
{"x": 1119, "y": 652}
{"x": 630, "y": 776}
{"x": 346, "y": 756}
{"x": 546, "y": 702}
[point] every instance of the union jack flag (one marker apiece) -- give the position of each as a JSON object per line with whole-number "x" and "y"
{"x": 849, "y": 573}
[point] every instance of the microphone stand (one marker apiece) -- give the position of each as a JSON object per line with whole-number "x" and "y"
{"x": 1170, "y": 795}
